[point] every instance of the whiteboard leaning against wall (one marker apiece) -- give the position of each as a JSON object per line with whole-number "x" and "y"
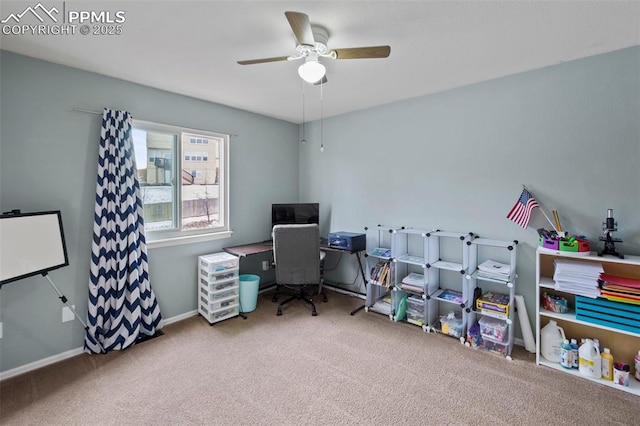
{"x": 31, "y": 244}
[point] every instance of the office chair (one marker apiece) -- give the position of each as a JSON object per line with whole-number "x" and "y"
{"x": 296, "y": 254}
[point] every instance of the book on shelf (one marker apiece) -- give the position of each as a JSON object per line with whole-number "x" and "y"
{"x": 412, "y": 288}
{"x": 381, "y": 252}
{"x": 493, "y": 268}
{"x": 414, "y": 279}
{"x": 381, "y": 273}
{"x": 492, "y": 276}
{"x": 450, "y": 296}
{"x": 412, "y": 259}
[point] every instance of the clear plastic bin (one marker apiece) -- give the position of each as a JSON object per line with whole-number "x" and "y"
{"x": 451, "y": 326}
{"x": 218, "y": 286}
{"x": 415, "y": 317}
{"x": 415, "y": 303}
{"x": 493, "y": 329}
{"x": 214, "y": 305}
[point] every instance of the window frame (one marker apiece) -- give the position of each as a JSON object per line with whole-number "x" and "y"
{"x": 176, "y": 236}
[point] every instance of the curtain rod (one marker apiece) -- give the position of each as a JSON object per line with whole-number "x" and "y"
{"x": 88, "y": 111}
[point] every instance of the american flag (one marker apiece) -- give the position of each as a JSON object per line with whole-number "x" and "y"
{"x": 521, "y": 212}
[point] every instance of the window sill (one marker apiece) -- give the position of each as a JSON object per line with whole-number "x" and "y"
{"x": 191, "y": 239}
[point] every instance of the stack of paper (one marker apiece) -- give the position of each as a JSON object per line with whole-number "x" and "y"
{"x": 620, "y": 289}
{"x": 413, "y": 282}
{"x": 579, "y": 278}
{"x": 496, "y": 270}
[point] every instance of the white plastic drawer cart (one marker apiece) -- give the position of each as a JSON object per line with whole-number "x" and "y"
{"x": 218, "y": 287}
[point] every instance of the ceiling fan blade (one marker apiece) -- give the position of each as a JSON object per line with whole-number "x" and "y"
{"x": 263, "y": 60}
{"x": 363, "y": 52}
{"x": 301, "y": 27}
{"x": 323, "y": 80}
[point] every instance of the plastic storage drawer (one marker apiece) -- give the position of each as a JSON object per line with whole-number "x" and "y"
{"x": 219, "y": 275}
{"x": 213, "y": 287}
{"x": 218, "y": 262}
{"x": 220, "y": 315}
{"x": 493, "y": 329}
{"x": 415, "y": 317}
{"x": 217, "y": 304}
{"x": 415, "y": 304}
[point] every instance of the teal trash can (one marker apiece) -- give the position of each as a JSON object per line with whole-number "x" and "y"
{"x": 249, "y": 285}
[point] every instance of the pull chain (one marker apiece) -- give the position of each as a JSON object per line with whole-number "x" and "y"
{"x": 321, "y": 120}
{"x": 303, "y": 139}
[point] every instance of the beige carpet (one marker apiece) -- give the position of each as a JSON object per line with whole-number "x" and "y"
{"x": 297, "y": 369}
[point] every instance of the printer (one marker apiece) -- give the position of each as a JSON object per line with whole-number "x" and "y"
{"x": 347, "y": 240}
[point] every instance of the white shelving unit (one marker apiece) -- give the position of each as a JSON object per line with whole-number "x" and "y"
{"x": 624, "y": 344}
{"x": 411, "y": 258}
{"x": 446, "y": 275}
{"x": 480, "y": 250}
{"x": 381, "y": 248}
{"x": 218, "y": 287}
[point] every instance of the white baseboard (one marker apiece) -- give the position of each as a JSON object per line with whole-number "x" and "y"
{"x": 177, "y": 318}
{"x": 75, "y": 352}
{"x": 40, "y": 363}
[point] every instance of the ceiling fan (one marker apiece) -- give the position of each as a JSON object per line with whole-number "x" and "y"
{"x": 312, "y": 45}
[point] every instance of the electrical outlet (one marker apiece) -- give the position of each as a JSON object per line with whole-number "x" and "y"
{"x": 265, "y": 265}
{"x": 67, "y": 314}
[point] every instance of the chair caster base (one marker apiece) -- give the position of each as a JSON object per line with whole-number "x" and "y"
{"x": 325, "y": 298}
{"x": 314, "y": 313}
{"x": 279, "y": 312}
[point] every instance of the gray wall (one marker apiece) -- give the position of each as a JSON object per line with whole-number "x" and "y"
{"x": 454, "y": 160}
{"x": 48, "y": 160}
{"x": 457, "y": 160}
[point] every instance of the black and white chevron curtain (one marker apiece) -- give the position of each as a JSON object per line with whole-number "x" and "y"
{"x": 122, "y": 305}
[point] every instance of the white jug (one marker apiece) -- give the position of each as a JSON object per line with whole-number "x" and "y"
{"x": 590, "y": 362}
{"x": 551, "y": 338}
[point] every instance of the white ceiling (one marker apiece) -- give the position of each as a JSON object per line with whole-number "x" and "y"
{"x": 191, "y": 47}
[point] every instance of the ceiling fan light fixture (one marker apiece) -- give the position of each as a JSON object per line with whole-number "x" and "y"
{"x": 312, "y": 70}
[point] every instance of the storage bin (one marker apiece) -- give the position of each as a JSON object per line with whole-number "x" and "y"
{"x": 415, "y": 303}
{"x": 496, "y": 303}
{"x": 415, "y": 317}
{"x": 219, "y": 275}
{"x": 495, "y": 347}
{"x": 218, "y": 286}
{"x": 622, "y": 316}
{"x": 493, "y": 329}
{"x": 451, "y": 326}
{"x": 213, "y": 287}
{"x": 216, "y": 305}
{"x": 548, "y": 243}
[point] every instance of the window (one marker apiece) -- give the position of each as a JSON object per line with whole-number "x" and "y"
{"x": 182, "y": 201}
{"x": 199, "y": 141}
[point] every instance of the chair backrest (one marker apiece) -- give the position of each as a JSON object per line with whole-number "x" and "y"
{"x": 296, "y": 251}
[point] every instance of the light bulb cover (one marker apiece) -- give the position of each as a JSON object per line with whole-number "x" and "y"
{"x": 311, "y": 71}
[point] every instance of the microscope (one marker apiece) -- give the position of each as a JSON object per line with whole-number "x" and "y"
{"x": 609, "y": 226}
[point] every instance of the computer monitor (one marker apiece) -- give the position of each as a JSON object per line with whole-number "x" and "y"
{"x": 295, "y": 213}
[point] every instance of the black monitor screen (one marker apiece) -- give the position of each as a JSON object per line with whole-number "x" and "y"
{"x": 287, "y": 214}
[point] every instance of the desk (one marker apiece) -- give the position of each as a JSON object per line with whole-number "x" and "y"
{"x": 250, "y": 249}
